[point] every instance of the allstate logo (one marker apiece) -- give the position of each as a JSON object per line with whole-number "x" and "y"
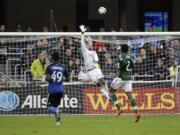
{"x": 8, "y": 101}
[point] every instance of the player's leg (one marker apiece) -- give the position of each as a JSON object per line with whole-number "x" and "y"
{"x": 116, "y": 84}
{"x": 110, "y": 94}
{"x": 96, "y": 76}
{"x": 116, "y": 103}
{"x": 104, "y": 88}
{"x": 58, "y": 111}
{"x": 53, "y": 102}
{"x": 134, "y": 105}
{"x": 128, "y": 91}
{"x": 51, "y": 107}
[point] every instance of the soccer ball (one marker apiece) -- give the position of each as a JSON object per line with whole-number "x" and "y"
{"x": 102, "y": 10}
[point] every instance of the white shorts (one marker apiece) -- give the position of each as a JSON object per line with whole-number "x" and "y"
{"x": 125, "y": 85}
{"x": 90, "y": 76}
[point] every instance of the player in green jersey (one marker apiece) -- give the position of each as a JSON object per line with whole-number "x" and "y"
{"x": 124, "y": 79}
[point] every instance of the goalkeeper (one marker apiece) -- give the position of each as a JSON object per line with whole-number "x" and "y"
{"x": 124, "y": 80}
{"x": 93, "y": 72}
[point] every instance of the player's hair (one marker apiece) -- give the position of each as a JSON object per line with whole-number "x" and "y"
{"x": 55, "y": 56}
{"x": 124, "y": 48}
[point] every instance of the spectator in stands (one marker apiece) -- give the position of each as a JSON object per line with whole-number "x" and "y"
{"x": 40, "y": 45}
{"x": 142, "y": 54}
{"x": 29, "y": 29}
{"x": 172, "y": 71}
{"x": 44, "y": 42}
{"x": 99, "y": 44}
{"x": 2, "y": 28}
{"x": 177, "y": 50}
{"x": 160, "y": 71}
{"x": 3, "y": 81}
{"x": 147, "y": 60}
{"x": 70, "y": 68}
{"x": 109, "y": 69}
{"x": 171, "y": 57}
{"x": 67, "y": 57}
{"x": 113, "y": 29}
{"x": 114, "y": 51}
{"x": 27, "y": 58}
{"x": 45, "y": 29}
{"x": 122, "y": 29}
{"x": 38, "y": 66}
{"x": 3, "y": 51}
{"x": 77, "y": 65}
{"x": 150, "y": 29}
{"x": 26, "y": 61}
{"x": 156, "y": 53}
{"x": 19, "y": 28}
{"x": 139, "y": 67}
{"x": 102, "y": 29}
{"x": 101, "y": 55}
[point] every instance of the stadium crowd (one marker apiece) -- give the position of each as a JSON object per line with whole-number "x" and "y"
{"x": 156, "y": 60}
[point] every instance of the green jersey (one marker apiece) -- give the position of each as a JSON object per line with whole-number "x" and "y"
{"x": 125, "y": 67}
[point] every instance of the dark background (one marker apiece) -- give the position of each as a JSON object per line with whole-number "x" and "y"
{"x": 72, "y": 13}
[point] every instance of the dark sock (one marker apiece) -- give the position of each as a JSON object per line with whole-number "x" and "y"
{"x": 133, "y": 104}
{"x": 114, "y": 99}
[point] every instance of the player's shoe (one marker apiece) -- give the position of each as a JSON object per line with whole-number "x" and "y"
{"x": 118, "y": 112}
{"x": 137, "y": 118}
{"x": 58, "y": 113}
{"x": 58, "y": 123}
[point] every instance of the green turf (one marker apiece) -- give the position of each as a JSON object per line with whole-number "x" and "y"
{"x": 90, "y": 125}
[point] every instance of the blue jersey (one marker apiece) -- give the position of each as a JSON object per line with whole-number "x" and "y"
{"x": 56, "y": 73}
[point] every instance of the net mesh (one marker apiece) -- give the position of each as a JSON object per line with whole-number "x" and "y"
{"x": 155, "y": 74}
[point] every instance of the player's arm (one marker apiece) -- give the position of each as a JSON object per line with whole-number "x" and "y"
{"x": 47, "y": 73}
{"x": 83, "y": 45}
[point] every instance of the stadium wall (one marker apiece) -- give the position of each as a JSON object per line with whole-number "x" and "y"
{"x": 22, "y": 12}
{"x": 87, "y": 99}
{"x": 36, "y": 13}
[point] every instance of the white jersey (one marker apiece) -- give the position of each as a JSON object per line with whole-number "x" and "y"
{"x": 90, "y": 57}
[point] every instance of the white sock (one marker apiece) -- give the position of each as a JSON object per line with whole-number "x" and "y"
{"x": 104, "y": 90}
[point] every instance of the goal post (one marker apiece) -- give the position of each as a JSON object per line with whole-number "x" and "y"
{"x": 155, "y": 76}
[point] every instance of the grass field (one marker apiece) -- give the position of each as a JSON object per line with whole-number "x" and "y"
{"x": 90, "y": 125}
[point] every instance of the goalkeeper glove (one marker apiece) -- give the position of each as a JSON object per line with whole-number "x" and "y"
{"x": 82, "y": 28}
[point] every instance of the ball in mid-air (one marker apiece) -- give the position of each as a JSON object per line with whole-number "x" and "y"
{"x": 102, "y": 10}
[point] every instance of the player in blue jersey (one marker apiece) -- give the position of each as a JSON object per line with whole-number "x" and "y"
{"x": 55, "y": 74}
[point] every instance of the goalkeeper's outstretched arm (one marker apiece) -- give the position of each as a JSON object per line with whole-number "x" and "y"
{"x": 83, "y": 45}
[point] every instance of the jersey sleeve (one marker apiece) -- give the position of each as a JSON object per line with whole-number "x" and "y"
{"x": 83, "y": 46}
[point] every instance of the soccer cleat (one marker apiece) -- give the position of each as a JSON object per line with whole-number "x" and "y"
{"x": 58, "y": 113}
{"x": 58, "y": 123}
{"x": 137, "y": 118}
{"x": 118, "y": 112}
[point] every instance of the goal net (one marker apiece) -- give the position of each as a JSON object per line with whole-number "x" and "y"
{"x": 155, "y": 76}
